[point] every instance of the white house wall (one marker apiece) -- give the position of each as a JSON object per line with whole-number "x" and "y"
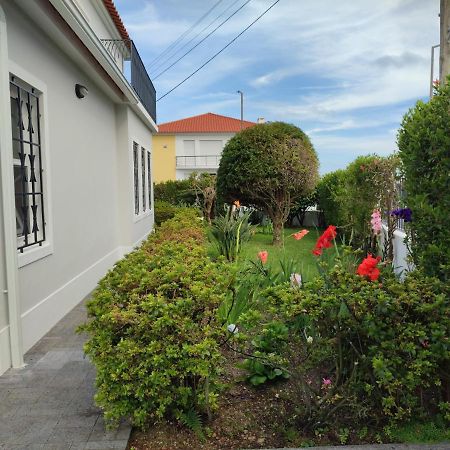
{"x": 91, "y": 217}
{"x": 203, "y": 143}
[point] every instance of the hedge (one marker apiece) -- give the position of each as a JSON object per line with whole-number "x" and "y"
{"x": 153, "y": 328}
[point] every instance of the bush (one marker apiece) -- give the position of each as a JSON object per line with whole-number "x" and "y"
{"x": 164, "y": 211}
{"x": 330, "y": 195}
{"x": 268, "y": 166}
{"x": 154, "y": 332}
{"x": 424, "y": 143}
{"x": 370, "y": 352}
{"x": 175, "y": 192}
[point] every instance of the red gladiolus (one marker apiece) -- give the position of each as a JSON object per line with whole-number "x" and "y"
{"x": 263, "y": 256}
{"x": 368, "y": 268}
{"x": 325, "y": 241}
{"x": 300, "y": 234}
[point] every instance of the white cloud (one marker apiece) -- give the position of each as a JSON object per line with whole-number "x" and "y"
{"x": 329, "y": 66}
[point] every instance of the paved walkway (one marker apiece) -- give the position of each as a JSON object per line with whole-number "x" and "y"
{"x": 49, "y": 403}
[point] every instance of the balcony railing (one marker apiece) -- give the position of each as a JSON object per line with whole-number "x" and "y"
{"x": 200, "y": 161}
{"x": 123, "y": 51}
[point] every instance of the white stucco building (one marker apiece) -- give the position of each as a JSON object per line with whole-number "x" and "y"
{"x": 75, "y": 158}
{"x": 193, "y": 144}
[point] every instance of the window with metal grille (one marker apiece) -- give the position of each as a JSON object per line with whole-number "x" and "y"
{"x": 136, "y": 177}
{"x": 28, "y": 164}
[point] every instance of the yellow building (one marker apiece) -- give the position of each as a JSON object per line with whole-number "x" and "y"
{"x": 193, "y": 144}
{"x": 164, "y": 157}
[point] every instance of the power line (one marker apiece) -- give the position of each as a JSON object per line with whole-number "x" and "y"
{"x": 168, "y": 58}
{"x": 181, "y": 37}
{"x": 219, "y": 52}
{"x": 202, "y": 40}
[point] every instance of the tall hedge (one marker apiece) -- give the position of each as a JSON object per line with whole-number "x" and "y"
{"x": 424, "y": 144}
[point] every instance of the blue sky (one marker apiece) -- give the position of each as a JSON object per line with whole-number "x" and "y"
{"x": 344, "y": 71}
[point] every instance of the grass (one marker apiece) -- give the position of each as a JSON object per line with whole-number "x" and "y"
{"x": 299, "y": 251}
{"x": 416, "y": 433}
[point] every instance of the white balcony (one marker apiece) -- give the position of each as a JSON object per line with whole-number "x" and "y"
{"x": 198, "y": 162}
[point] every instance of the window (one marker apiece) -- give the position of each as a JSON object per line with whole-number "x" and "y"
{"x": 189, "y": 147}
{"x": 142, "y": 175}
{"x": 149, "y": 171}
{"x": 28, "y": 167}
{"x": 144, "y": 179}
{"x": 136, "y": 177}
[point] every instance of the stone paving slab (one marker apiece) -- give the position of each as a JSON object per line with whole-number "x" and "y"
{"x": 49, "y": 403}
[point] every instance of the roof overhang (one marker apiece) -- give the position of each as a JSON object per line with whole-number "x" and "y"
{"x": 63, "y": 22}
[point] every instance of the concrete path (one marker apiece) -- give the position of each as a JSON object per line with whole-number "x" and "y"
{"x": 49, "y": 403}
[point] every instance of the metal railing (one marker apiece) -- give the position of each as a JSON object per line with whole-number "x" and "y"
{"x": 123, "y": 50}
{"x": 211, "y": 161}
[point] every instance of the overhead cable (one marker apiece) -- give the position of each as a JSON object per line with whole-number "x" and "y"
{"x": 219, "y": 52}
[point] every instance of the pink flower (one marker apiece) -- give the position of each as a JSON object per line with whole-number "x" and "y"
{"x": 300, "y": 234}
{"x": 262, "y": 255}
{"x": 376, "y": 222}
{"x": 326, "y": 382}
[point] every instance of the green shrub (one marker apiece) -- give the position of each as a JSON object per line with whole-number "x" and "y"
{"x": 164, "y": 211}
{"x": 153, "y": 327}
{"x": 268, "y": 166}
{"x": 365, "y": 352}
{"x": 424, "y": 143}
{"x": 175, "y": 192}
{"x": 330, "y": 196}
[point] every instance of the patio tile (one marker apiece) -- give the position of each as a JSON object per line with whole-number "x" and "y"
{"x": 49, "y": 404}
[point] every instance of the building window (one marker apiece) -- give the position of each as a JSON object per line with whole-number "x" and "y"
{"x": 142, "y": 180}
{"x": 28, "y": 167}
{"x": 136, "y": 177}
{"x": 149, "y": 167}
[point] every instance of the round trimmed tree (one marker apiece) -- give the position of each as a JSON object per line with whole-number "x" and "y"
{"x": 268, "y": 166}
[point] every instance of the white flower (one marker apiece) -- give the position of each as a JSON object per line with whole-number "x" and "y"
{"x": 232, "y": 328}
{"x": 309, "y": 339}
{"x": 296, "y": 280}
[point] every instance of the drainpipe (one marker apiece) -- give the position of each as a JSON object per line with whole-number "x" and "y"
{"x": 11, "y": 289}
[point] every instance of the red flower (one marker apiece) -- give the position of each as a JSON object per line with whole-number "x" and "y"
{"x": 325, "y": 241}
{"x": 300, "y": 234}
{"x": 368, "y": 268}
{"x": 263, "y": 256}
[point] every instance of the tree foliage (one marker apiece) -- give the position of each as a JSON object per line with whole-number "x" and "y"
{"x": 268, "y": 166}
{"x": 424, "y": 144}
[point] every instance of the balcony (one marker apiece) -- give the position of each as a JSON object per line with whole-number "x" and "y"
{"x": 127, "y": 57}
{"x": 198, "y": 162}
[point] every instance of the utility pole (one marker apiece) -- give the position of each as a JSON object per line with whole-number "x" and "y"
{"x": 242, "y": 108}
{"x": 444, "y": 57}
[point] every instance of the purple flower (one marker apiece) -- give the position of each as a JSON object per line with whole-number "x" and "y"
{"x": 402, "y": 213}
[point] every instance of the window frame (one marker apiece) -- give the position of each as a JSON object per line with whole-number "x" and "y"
{"x": 36, "y": 252}
{"x": 144, "y": 193}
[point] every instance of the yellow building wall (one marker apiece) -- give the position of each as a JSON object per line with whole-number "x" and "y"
{"x": 163, "y": 158}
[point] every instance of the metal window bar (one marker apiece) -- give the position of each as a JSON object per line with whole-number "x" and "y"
{"x": 31, "y": 217}
{"x": 198, "y": 161}
{"x": 136, "y": 177}
{"x": 140, "y": 81}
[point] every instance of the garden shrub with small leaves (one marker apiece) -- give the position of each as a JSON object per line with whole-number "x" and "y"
{"x": 424, "y": 148}
{"x": 153, "y": 328}
{"x": 366, "y": 351}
